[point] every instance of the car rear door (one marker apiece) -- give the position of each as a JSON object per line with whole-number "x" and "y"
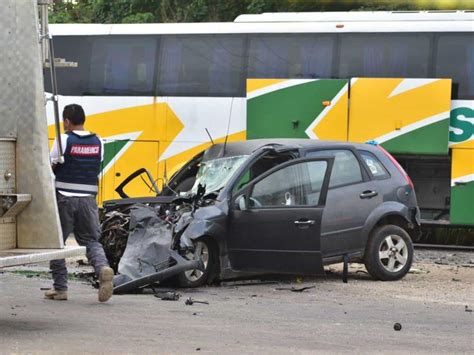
{"x": 275, "y": 221}
{"x": 352, "y": 196}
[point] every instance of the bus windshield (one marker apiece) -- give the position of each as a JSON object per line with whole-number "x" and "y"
{"x": 214, "y": 174}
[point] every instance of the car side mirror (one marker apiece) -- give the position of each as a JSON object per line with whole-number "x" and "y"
{"x": 240, "y": 203}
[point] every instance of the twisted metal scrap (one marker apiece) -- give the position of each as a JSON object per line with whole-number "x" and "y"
{"x": 114, "y": 236}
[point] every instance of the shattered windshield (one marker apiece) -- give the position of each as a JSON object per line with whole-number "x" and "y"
{"x": 214, "y": 174}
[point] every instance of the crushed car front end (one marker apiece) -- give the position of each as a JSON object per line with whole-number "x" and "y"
{"x": 146, "y": 237}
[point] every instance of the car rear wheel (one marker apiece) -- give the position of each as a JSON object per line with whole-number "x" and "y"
{"x": 204, "y": 249}
{"x": 389, "y": 253}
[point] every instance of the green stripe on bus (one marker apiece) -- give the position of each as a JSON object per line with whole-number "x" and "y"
{"x": 430, "y": 139}
{"x": 288, "y": 112}
{"x": 111, "y": 149}
{"x": 462, "y": 197}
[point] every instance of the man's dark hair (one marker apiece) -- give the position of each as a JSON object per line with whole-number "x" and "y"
{"x": 75, "y": 114}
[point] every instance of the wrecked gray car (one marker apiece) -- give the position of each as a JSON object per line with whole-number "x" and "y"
{"x": 268, "y": 206}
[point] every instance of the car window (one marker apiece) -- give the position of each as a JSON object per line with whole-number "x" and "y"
{"x": 346, "y": 169}
{"x": 259, "y": 167}
{"x": 295, "y": 185}
{"x": 376, "y": 168}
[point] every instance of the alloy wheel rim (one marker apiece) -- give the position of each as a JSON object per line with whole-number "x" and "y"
{"x": 201, "y": 252}
{"x": 393, "y": 253}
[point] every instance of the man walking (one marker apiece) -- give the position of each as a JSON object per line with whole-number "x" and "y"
{"x": 76, "y": 190}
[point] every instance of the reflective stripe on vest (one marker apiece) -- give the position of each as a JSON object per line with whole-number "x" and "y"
{"x": 76, "y": 187}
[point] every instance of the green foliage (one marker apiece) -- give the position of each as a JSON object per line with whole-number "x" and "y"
{"x": 256, "y": 6}
{"x": 147, "y": 11}
{"x": 66, "y": 12}
{"x": 142, "y": 17}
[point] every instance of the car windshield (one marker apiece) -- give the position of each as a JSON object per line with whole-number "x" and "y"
{"x": 214, "y": 174}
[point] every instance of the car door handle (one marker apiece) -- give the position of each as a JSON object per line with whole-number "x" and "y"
{"x": 304, "y": 223}
{"x": 368, "y": 194}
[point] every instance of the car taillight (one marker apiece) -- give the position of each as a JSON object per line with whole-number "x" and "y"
{"x": 398, "y": 166}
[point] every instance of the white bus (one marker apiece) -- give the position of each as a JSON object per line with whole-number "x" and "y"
{"x": 152, "y": 90}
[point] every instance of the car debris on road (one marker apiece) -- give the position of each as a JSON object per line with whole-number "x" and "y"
{"x": 189, "y": 302}
{"x": 167, "y": 295}
{"x": 294, "y": 289}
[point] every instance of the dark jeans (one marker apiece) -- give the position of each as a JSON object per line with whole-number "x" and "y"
{"x": 79, "y": 215}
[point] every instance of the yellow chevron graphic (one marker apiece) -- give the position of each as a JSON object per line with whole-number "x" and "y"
{"x": 376, "y": 110}
{"x": 464, "y": 145}
{"x": 462, "y": 163}
{"x": 332, "y": 124}
{"x": 257, "y": 84}
{"x": 159, "y": 126}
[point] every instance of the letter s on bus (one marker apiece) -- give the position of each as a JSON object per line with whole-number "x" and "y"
{"x": 459, "y": 120}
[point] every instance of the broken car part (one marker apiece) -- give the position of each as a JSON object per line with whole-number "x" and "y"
{"x": 345, "y": 269}
{"x": 189, "y": 302}
{"x": 114, "y": 236}
{"x": 151, "y": 185}
{"x": 167, "y": 295}
{"x": 181, "y": 265}
{"x": 294, "y": 289}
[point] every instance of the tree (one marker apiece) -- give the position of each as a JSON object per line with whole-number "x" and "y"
{"x": 148, "y": 11}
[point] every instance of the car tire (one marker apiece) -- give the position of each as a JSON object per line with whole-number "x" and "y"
{"x": 206, "y": 248}
{"x": 389, "y": 253}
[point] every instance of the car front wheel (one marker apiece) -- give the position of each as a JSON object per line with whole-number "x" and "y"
{"x": 204, "y": 249}
{"x": 389, "y": 253}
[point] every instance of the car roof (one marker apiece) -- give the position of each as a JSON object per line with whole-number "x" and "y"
{"x": 247, "y": 147}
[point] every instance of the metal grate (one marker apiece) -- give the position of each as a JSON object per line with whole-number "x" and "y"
{"x": 7, "y": 167}
{"x": 7, "y": 186}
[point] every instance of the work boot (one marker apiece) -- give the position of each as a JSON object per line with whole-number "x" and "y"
{"x": 106, "y": 287}
{"x": 56, "y": 295}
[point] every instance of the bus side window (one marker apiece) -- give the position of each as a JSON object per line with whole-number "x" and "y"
{"x": 291, "y": 56}
{"x": 71, "y": 81}
{"x": 107, "y": 65}
{"x": 122, "y": 65}
{"x": 384, "y": 55}
{"x": 202, "y": 65}
{"x": 455, "y": 59}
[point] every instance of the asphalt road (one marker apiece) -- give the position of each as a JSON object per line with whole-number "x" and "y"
{"x": 359, "y": 316}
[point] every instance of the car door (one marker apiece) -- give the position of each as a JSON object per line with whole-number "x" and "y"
{"x": 275, "y": 220}
{"x": 352, "y": 196}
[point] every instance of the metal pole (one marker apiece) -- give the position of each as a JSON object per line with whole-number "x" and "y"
{"x": 54, "y": 87}
{"x": 43, "y": 5}
{"x": 47, "y": 53}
